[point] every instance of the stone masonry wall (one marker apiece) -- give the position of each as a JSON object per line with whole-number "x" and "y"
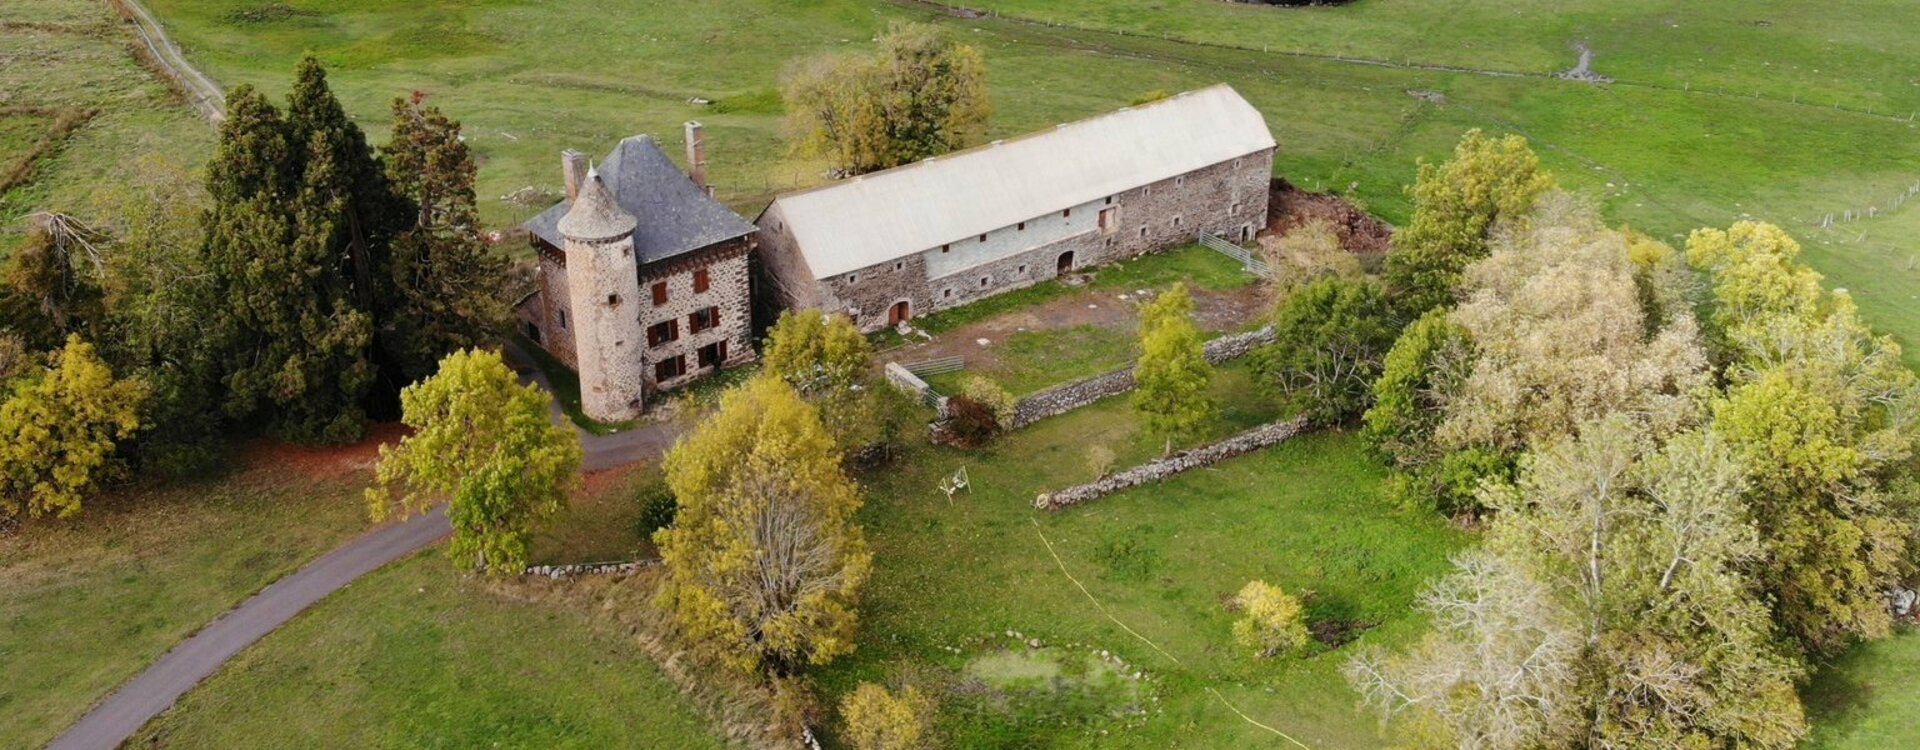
{"x": 1066, "y": 397}
{"x": 545, "y": 308}
{"x": 728, "y": 288}
{"x": 1154, "y": 471}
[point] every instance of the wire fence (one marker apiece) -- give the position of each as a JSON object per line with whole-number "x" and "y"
{"x": 1246, "y": 257}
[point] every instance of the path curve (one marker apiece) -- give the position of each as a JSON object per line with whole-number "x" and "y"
{"x": 205, "y": 95}
{"x": 137, "y": 701}
{"x": 115, "y": 720}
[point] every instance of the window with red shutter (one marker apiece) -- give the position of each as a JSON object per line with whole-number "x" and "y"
{"x": 659, "y": 293}
{"x": 700, "y": 281}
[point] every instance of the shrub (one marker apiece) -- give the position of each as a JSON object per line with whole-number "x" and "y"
{"x": 1329, "y": 340}
{"x": 878, "y": 719}
{"x": 971, "y": 422}
{"x": 1273, "y": 623}
{"x": 1100, "y": 460}
{"x": 657, "y": 507}
{"x": 989, "y": 393}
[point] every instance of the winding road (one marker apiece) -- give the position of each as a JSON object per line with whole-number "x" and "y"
{"x": 115, "y": 720}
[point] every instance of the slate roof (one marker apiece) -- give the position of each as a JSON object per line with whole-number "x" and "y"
{"x": 674, "y": 215}
{"x": 595, "y": 216}
{"x": 860, "y": 221}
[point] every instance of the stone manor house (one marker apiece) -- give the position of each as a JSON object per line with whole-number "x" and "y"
{"x": 645, "y": 281}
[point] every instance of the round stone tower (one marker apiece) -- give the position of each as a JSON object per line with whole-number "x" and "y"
{"x": 603, "y": 287}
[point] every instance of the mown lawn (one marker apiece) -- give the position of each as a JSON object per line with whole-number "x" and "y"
{"x": 87, "y": 603}
{"x": 1161, "y": 559}
{"x": 419, "y": 654}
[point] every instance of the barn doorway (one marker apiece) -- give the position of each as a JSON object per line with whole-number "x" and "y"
{"x": 1065, "y": 264}
{"x": 901, "y": 312}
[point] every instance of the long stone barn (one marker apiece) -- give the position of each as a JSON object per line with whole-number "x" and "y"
{"x": 949, "y": 230}
{"x": 644, "y": 279}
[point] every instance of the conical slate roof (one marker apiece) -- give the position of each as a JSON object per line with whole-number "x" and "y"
{"x": 679, "y": 216}
{"x": 595, "y": 217}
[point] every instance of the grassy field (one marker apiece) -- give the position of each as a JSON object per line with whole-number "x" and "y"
{"x": 420, "y": 655}
{"x": 1866, "y": 699}
{"x": 951, "y": 580}
{"x": 73, "y": 55}
{"x": 85, "y": 604}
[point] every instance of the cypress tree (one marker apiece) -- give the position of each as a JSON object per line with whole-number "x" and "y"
{"x": 443, "y": 275}
{"x": 293, "y": 343}
{"x": 372, "y": 213}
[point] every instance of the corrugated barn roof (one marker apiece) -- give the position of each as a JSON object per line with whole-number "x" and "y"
{"x": 874, "y": 218}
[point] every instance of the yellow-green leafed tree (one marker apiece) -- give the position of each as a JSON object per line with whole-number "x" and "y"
{"x": 816, "y": 353}
{"x": 59, "y": 429}
{"x": 879, "y": 719}
{"x": 1171, "y": 377}
{"x": 1273, "y": 623}
{"x": 1456, "y": 206}
{"x": 763, "y": 560}
{"x": 482, "y": 441}
{"x": 919, "y": 95}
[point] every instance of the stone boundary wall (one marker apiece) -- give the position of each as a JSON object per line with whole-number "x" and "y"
{"x": 1154, "y": 471}
{"x": 585, "y": 569}
{"x": 1066, "y": 397}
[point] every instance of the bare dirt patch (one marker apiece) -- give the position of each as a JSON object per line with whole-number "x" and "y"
{"x": 320, "y": 462}
{"x": 1360, "y": 232}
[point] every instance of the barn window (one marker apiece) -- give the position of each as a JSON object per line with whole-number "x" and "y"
{"x": 668, "y": 369}
{"x": 1066, "y": 213}
{"x": 899, "y": 264}
{"x": 1181, "y": 180}
{"x": 1109, "y": 220}
{"x": 852, "y": 278}
{"x": 1109, "y": 200}
{"x": 946, "y": 292}
{"x": 946, "y": 248}
{"x": 1023, "y": 226}
{"x": 1023, "y": 270}
{"x": 983, "y": 238}
{"x": 983, "y": 282}
{"x": 701, "y": 280}
{"x": 1235, "y": 208}
{"x": 1143, "y": 233}
{"x": 1176, "y": 222}
{"x": 659, "y": 293}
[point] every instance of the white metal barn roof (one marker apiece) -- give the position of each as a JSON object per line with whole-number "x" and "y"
{"x": 873, "y": 218}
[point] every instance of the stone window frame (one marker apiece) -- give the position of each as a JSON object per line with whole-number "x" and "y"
{"x": 852, "y": 279}
{"x": 710, "y": 313}
{"x": 719, "y": 349}
{"x": 1023, "y": 269}
{"x": 1022, "y": 226}
{"x": 946, "y": 294}
{"x": 663, "y": 332}
{"x": 899, "y": 265}
{"x": 670, "y": 368}
{"x": 1066, "y": 213}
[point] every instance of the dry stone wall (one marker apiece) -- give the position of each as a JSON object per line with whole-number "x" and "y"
{"x": 1154, "y": 471}
{"x": 1064, "y": 398}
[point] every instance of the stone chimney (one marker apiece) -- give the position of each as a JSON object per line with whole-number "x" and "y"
{"x": 573, "y": 168}
{"x": 697, "y": 156}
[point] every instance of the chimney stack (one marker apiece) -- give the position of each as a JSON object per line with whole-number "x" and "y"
{"x": 573, "y": 168}
{"x": 697, "y": 156}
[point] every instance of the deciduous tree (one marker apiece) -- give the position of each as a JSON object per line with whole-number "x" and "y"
{"x": 921, "y": 95}
{"x": 1172, "y": 374}
{"x": 763, "y": 562}
{"x": 59, "y": 429}
{"x": 1457, "y": 205}
{"x": 50, "y": 286}
{"x": 1330, "y": 337}
{"x": 482, "y": 441}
